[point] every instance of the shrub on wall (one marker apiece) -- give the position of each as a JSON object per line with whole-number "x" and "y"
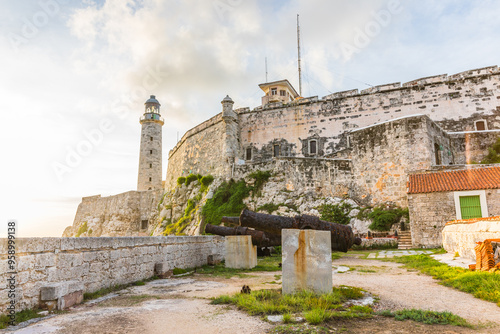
{"x": 336, "y": 213}
{"x": 181, "y": 180}
{"x": 227, "y": 201}
{"x": 191, "y": 177}
{"x": 260, "y": 178}
{"x": 206, "y": 181}
{"x": 383, "y": 218}
{"x": 493, "y": 156}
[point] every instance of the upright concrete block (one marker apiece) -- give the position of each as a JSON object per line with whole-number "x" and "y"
{"x": 240, "y": 252}
{"x": 307, "y": 261}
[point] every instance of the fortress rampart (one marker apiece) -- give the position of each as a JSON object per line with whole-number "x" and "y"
{"x": 98, "y": 262}
{"x": 456, "y": 103}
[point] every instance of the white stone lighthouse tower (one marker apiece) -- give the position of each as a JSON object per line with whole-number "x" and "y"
{"x": 150, "y": 168}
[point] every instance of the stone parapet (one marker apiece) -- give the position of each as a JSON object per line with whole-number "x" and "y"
{"x": 96, "y": 263}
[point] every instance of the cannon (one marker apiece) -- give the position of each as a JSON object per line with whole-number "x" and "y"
{"x": 259, "y": 238}
{"x": 342, "y": 235}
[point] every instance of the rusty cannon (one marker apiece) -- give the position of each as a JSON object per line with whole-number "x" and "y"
{"x": 342, "y": 235}
{"x": 259, "y": 238}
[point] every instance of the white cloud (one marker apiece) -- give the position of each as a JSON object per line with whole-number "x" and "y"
{"x": 98, "y": 60}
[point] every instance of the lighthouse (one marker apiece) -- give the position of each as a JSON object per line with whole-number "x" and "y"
{"x": 150, "y": 167}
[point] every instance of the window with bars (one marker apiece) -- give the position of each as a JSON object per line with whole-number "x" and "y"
{"x": 470, "y": 207}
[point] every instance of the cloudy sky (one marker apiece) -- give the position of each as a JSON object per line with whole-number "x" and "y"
{"x": 75, "y": 74}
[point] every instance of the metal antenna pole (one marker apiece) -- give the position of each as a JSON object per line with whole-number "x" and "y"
{"x": 266, "y": 69}
{"x": 298, "y": 49}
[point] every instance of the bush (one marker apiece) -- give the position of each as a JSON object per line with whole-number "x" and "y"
{"x": 384, "y": 218}
{"x": 181, "y": 180}
{"x": 190, "y": 178}
{"x": 206, "y": 181}
{"x": 493, "y": 156}
{"x": 260, "y": 177}
{"x": 227, "y": 201}
{"x": 336, "y": 213}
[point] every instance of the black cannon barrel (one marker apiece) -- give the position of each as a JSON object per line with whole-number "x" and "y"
{"x": 231, "y": 220}
{"x": 259, "y": 238}
{"x": 342, "y": 236}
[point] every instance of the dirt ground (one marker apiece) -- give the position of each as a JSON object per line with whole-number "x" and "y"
{"x": 181, "y": 305}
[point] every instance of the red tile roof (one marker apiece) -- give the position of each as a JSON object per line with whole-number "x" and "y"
{"x": 469, "y": 179}
{"x": 473, "y": 220}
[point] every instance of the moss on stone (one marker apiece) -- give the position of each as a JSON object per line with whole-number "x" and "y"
{"x": 82, "y": 229}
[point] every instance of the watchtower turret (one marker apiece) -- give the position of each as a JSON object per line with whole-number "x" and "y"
{"x": 150, "y": 167}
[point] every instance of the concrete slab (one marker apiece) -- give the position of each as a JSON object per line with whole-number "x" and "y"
{"x": 240, "y": 252}
{"x": 307, "y": 261}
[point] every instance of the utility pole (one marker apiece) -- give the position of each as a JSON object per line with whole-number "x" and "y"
{"x": 298, "y": 49}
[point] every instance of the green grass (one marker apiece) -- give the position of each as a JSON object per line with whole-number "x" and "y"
{"x": 315, "y": 308}
{"x": 21, "y": 316}
{"x": 299, "y": 328}
{"x": 483, "y": 285}
{"x": 227, "y": 201}
{"x": 428, "y": 317}
{"x": 117, "y": 287}
{"x": 267, "y": 263}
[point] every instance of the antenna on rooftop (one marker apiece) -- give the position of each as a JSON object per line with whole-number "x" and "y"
{"x": 298, "y": 49}
{"x": 266, "y": 69}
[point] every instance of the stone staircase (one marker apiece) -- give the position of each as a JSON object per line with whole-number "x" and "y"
{"x": 404, "y": 240}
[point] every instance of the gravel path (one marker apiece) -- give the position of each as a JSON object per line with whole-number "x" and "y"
{"x": 399, "y": 288}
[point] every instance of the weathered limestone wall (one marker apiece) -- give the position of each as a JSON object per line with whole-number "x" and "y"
{"x": 383, "y": 154}
{"x": 454, "y": 102}
{"x": 462, "y": 238}
{"x": 98, "y": 262}
{"x": 326, "y": 177}
{"x": 431, "y": 211}
{"x": 200, "y": 151}
{"x": 118, "y": 215}
{"x": 472, "y": 146}
{"x": 428, "y": 215}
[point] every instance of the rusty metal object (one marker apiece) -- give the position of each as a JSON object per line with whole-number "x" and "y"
{"x": 259, "y": 238}
{"x": 342, "y": 235}
{"x": 231, "y": 220}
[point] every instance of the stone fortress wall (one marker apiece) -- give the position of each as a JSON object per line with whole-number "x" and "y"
{"x": 98, "y": 262}
{"x": 453, "y": 102}
{"x": 200, "y": 151}
{"x": 126, "y": 214}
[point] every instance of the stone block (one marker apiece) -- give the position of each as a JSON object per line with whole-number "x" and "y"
{"x": 307, "y": 261}
{"x": 240, "y": 252}
{"x": 61, "y": 295}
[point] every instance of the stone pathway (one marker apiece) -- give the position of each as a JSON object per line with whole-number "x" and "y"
{"x": 391, "y": 254}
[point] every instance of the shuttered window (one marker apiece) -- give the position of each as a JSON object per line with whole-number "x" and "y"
{"x": 470, "y": 207}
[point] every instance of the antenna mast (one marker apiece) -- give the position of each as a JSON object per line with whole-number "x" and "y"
{"x": 298, "y": 49}
{"x": 266, "y": 69}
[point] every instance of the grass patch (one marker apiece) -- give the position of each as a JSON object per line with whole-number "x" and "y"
{"x": 21, "y": 316}
{"x": 483, "y": 285}
{"x": 267, "y": 263}
{"x": 117, "y": 287}
{"x": 299, "y": 328}
{"x": 315, "y": 308}
{"x": 428, "y": 317}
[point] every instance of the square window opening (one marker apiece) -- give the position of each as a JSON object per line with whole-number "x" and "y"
{"x": 144, "y": 224}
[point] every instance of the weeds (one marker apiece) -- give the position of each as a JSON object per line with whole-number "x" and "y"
{"x": 483, "y": 285}
{"x": 315, "y": 308}
{"x": 428, "y": 317}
